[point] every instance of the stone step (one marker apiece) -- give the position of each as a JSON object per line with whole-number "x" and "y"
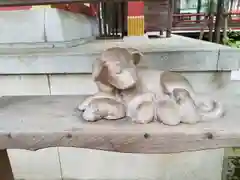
{"x": 176, "y": 53}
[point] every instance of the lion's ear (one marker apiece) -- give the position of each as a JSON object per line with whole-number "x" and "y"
{"x": 136, "y": 55}
{"x": 96, "y": 68}
{"x": 100, "y": 72}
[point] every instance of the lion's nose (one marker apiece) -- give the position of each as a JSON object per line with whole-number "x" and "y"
{"x": 127, "y": 79}
{"x": 123, "y": 80}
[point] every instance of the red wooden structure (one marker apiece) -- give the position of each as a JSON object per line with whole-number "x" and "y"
{"x": 135, "y": 18}
{"x": 147, "y": 16}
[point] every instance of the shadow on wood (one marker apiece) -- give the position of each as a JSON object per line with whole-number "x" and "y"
{"x": 5, "y": 166}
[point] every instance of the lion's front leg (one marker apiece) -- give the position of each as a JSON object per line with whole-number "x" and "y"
{"x": 100, "y": 95}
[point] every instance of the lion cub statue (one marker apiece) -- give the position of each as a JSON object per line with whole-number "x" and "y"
{"x": 125, "y": 92}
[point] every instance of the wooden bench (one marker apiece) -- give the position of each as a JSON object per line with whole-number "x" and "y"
{"x": 36, "y": 122}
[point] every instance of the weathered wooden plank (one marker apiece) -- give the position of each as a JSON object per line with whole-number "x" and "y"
{"x": 47, "y": 121}
{"x": 5, "y": 166}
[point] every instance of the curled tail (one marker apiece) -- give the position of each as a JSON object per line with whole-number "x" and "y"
{"x": 210, "y": 110}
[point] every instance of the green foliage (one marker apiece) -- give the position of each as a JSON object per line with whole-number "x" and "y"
{"x": 234, "y": 34}
{"x": 211, "y": 6}
{"x": 233, "y": 39}
{"x": 231, "y": 42}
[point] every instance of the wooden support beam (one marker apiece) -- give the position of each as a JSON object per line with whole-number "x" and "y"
{"x": 5, "y": 166}
{"x": 42, "y": 2}
{"x": 170, "y": 18}
{"x": 218, "y": 24}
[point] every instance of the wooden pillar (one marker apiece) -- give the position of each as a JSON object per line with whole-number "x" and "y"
{"x": 5, "y": 166}
{"x": 135, "y": 18}
{"x": 218, "y": 24}
{"x": 199, "y": 6}
{"x": 170, "y": 18}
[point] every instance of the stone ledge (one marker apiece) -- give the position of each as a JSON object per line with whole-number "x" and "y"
{"x": 70, "y": 63}
{"x": 36, "y": 122}
{"x": 176, "y": 53}
{"x": 229, "y": 59}
{"x": 44, "y": 45}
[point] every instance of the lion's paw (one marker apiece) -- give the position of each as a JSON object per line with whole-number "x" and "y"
{"x": 102, "y": 108}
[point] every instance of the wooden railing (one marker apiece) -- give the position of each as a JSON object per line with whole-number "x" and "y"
{"x": 190, "y": 23}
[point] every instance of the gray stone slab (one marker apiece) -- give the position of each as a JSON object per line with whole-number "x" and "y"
{"x": 34, "y": 28}
{"x": 41, "y": 165}
{"x": 229, "y": 59}
{"x": 46, "y": 64}
{"x": 24, "y": 46}
{"x": 63, "y": 26}
{"x": 82, "y": 164}
{"x": 22, "y": 26}
{"x": 76, "y": 63}
{"x": 181, "y": 60}
{"x": 35, "y": 122}
{"x": 176, "y": 53}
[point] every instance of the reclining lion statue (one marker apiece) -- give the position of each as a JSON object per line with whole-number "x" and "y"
{"x": 125, "y": 92}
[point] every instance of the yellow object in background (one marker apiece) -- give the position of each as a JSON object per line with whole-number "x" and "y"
{"x": 135, "y": 25}
{"x": 232, "y": 152}
{"x": 41, "y": 6}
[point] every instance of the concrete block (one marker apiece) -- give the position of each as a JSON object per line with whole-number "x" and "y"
{"x": 176, "y": 53}
{"x": 229, "y": 59}
{"x": 36, "y": 27}
{"x": 23, "y": 85}
{"x": 72, "y": 84}
{"x": 46, "y": 63}
{"x": 78, "y": 62}
{"x": 92, "y": 164}
{"x": 39, "y": 165}
{"x": 213, "y": 83}
{"x": 202, "y": 82}
{"x": 22, "y": 26}
{"x": 63, "y": 26}
{"x": 181, "y": 60}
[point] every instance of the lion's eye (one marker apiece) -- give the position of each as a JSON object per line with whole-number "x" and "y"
{"x": 118, "y": 71}
{"x": 115, "y": 68}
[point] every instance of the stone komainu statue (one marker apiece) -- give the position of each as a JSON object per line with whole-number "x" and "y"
{"x": 124, "y": 92}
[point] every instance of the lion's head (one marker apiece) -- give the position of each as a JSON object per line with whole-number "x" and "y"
{"x": 116, "y": 68}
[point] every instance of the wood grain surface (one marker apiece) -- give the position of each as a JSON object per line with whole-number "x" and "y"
{"x": 35, "y": 122}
